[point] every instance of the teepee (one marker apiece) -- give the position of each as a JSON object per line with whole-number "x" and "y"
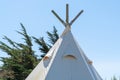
{"x": 65, "y": 60}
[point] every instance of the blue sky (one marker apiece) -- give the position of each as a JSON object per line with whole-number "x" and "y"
{"x": 97, "y": 30}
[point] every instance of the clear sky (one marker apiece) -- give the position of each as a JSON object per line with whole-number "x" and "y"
{"x": 97, "y": 30}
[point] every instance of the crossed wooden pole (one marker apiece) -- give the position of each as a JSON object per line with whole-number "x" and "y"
{"x": 67, "y": 23}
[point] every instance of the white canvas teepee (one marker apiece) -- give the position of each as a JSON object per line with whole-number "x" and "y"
{"x": 65, "y": 61}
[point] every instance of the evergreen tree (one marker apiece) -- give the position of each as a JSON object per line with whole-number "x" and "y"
{"x": 22, "y": 58}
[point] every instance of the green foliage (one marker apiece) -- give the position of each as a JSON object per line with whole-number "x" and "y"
{"x": 53, "y": 36}
{"x": 43, "y": 46}
{"x": 22, "y": 58}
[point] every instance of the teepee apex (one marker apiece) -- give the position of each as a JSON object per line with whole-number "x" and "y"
{"x": 67, "y": 24}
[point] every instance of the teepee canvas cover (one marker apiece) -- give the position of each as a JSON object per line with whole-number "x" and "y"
{"x": 65, "y": 60}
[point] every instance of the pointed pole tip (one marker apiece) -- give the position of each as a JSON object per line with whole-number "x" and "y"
{"x": 82, "y": 10}
{"x": 67, "y": 4}
{"x": 52, "y": 10}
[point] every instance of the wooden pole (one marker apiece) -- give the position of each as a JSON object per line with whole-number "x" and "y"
{"x": 67, "y": 14}
{"x": 59, "y": 18}
{"x": 76, "y": 17}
